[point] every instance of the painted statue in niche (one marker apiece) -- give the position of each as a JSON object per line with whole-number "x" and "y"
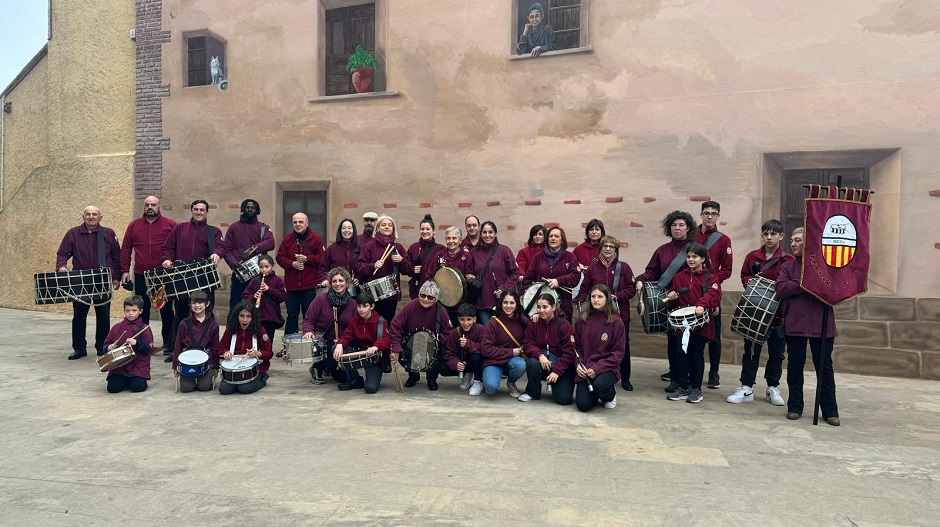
{"x": 218, "y": 78}
{"x": 537, "y": 36}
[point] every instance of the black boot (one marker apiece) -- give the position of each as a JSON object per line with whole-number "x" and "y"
{"x": 413, "y": 378}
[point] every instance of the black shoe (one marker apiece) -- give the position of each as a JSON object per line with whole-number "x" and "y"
{"x": 432, "y": 385}
{"x": 673, "y": 386}
{"x": 100, "y": 352}
{"x": 77, "y": 355}
{"x": 413, "y": 378}
{"x": 665, "y": 377}
{"x": 626, "y": 386}
{"x": 169, "y": 358}
{"x": 353, "y": 384}
{"x": 714, "y": 382}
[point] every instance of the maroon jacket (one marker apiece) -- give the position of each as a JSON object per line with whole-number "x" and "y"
{"x": 452, "y": 350}
{"x": 415, "y": 317}
{"x": 601, "y": 273}
{"x": 719, "y": 255}
{"x": 429, "y": 250}
{"x": 310, "y": 277}
{"x": 82, "y": 247}
{"x": 600, "y": 343}
{"x": 524, "y": 256}
{"x": 145, "y": 240}
{"x": 241, "y": 235}
{"x": 364, "y": 239}
{"x": 319, "y": 317}
{"x": 188, "y": 242}
{"x": 271, "y": 299}
{"x": 123, "y": 330}
{"x": 461, "y": 260}
{"x": 662, "y": 257}
{"x": 503, "y": 268}
{"x": 365, "y": 333}
{"x": 370, "y": 254}
{"x": 340, "y": 254}
{"x": 554, "y": 335}
{"x": 587, "y": 252}
{"x": 709, "y": 299}
{"x": 469, "y": 244}
{"x": 206, "y": 331}
{"x": 497, "y": 346}
{"x": 565, "y": 271}
{"x": 243, "y": 344}
{"x": 771, "y": 273}
{"x": 802, "y": 312}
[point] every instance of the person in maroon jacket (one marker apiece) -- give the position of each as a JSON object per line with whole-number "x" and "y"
{"x": 802, "y": 321}
{"x": 81, "y": 244}
{"x": 244, "y": 239}
{"x": 199, "y": 331}
{"x": 245, "y": 336}
{"x": 462, "y": 351}
{"x": 599, "y": 338}
{"x": 588, "y": 251}
{"x": 534, "y": 245}
{"x": 136, "y": 373}
{"x": 617, "y": 275}
{"x": 721, "y": 260}
{"x": 678, "y": 226}
{"x": 764, "y": 262}
{"x": 371, "y": 266}
{"x": 368, "y": 229}
{"x": 422, "y": 314}
{"x": 502, "y": 345}
{"x": 556, "y": 266}
{"x": 143, "y": 239}
{"x": 496, "y": 269}
{"x": 343, "y": 252}
{"x": 457, "y": 257}
{"x": 472, "y": 225}
{"x": 328, "y": 315}
{"x": 300, "y": 255}
{"x": 367, "y": 331}
{"x": 549, "y": 346}
{"x": 268, "y": 292}
{"x": 188, "y": 242}
{"x": 422, "y": 254}
{"x": 695, "y": 285}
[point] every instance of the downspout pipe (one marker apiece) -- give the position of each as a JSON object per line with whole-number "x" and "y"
{"x": 3, "y": 150}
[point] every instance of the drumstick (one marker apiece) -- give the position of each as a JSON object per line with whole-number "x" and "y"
{"x": 135, "y": 335}
{"x": 335, "y": 327}
{"x": 565, "y": 289}
{"x": 463, "y": 352}
{"x": 388, "y": 249}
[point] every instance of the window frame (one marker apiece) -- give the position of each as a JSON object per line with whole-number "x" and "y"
{"x": 516, "y": 22}
{"x": 185, "y": 62}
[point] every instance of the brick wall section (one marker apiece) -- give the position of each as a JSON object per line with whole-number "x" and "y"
{"x": 150, "y": 143}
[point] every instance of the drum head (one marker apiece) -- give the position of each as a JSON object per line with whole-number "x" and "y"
{"x": 683, "y": 312}
{"x": 453, "y": 286}
{"x": 194, "y": 357}
{"x": 421, "y": 348}
{"x": 233, "y": 365}
{"x": 294, "y": 337}
{"x": 533, "y": 292}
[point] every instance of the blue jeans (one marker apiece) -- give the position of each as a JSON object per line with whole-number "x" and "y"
{"x": 492, "y": 375}
{"x": 484, "y": 315}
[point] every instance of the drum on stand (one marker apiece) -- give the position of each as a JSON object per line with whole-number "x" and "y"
{"x": 754, "y": 316}
{"x": 382, "y": 288}
{"x": 453, "y": 286}
{"x": 181, "y": 280}
{"x": 652, "y": 308}
{"x": 92, "y": 287}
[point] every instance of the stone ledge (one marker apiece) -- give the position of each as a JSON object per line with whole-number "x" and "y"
{"x": 847, "y": 310}
{"x": 353, "y": 96}
{"x": 560, "y": 52}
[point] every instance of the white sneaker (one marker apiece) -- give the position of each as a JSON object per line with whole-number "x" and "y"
{"x": 514, "y": 390}
{"x": 465, "y": 382}
{"x": 773, "y": 395}
{"x": 476, "y": 388}
{"x": 525, "y": 398}
{"x": 611, "y": 403}
{"x": 744, "y": 394}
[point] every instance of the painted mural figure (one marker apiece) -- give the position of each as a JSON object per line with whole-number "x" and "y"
{"x": 536, "y": 37}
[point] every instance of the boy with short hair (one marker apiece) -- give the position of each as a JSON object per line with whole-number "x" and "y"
{"x": 136, "y": 373}
{"x": 199, "y": 331}
{"x": 462, "y": 351}
{"x": 764, "y": 262}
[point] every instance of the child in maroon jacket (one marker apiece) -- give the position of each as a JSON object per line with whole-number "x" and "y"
{"x": 370, "y": 332}
{"x": 599, "y": 339}
{"x": 136, "y": 373}
{"x": 462, "y": 351}
{"x": 199, "y": 331}
{"x": 549, "y": 345}
{"x": 268, "y": 292}
{"x": 245, "y": 336}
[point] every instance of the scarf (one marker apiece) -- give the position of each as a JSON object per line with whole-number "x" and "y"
{"x": 384, "y": 240}
{"x": 338, "y": 301}
{"x": 553, "y": 257}
{"x": 488, "y": 246}
{"x": 302, "y": 236}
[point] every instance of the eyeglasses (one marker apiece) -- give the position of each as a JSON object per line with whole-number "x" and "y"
{"x": 608, "y": 246}
{"x": 427, "y": 297}
{"x": 710, "y": 214}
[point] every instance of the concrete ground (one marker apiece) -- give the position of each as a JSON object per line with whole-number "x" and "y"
{"x": 298, "y": 454}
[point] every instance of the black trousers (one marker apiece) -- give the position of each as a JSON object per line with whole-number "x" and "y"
{"x": 166, "y": 313}
{"x": 270, "y": 328}
{"x": 373, "y": 378}
{"x": 604, "y": 391}
{"x": 751, "y": 359}
{"x": 690, "y": 367}
{"x": 297, "y": 304}
{"x": 235, "y": 292}
{"x": 796, "y": 359}
{"x": 673, "y": 351}
{"x": 625, "y": 363}
{"x": 80, "y": 319}
{"x": 714, "y": 347}
{"x": 226, "y": 388}
{"x": 562, "y": 389}
{"x": 119, "y": 382}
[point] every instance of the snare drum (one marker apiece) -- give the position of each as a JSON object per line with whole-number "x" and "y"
{"x": 245, "y": 271}
{"x": 419, "y": 351}
{"x": 181, "y": 280}
{"x": 685, "y": 318}
{"x": 240, "y": 369}
{"x": 193, "y": 362}
{"x": 385, "y": 287}
{"x": 86, "y": 286}
{"x": 299, "y": 349}
{"x": 354, "y": 358}
{"x": 754, "y": 316}
{"x": 453, "y": 286}
{"x": 116, "y": 358}
{"x": 652, "y": 308}
{"x": 530, "y": 297}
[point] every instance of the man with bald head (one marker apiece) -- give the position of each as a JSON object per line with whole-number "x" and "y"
{"x": 90, "y": 246}
{"x": 143, "y": 239}
{"x": 300, "y": 254}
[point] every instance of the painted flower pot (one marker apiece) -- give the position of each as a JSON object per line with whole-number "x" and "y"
{"x": 362, "y": 79}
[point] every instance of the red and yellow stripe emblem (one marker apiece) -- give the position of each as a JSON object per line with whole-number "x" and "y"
{"x": 838, "y": 255}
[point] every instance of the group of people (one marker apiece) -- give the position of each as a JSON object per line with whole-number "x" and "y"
{"x": 544, "y": 312}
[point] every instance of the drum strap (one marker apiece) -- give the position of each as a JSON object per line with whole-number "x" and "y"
{"x": 712, "y": 239}
{"x": 514, "y": 341}
{"x": 487, "y": 265}
{"x": 198, "y": 340}
{"x": 379, "y": 333}
{"x": 426, "y": 253}
{"x": 616, "y": 277}
{"x": 534, "y": 298}
{"x": 101, "y": 262}
{"x": 677, "y": 262}
{"x": 210, "y": 238}
{"x": 769, "y": 264}
{"x": 231, "y": 346}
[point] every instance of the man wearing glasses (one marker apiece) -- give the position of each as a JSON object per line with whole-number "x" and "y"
{"x": 719, "y": 264}
{"x": 421, "y": 314}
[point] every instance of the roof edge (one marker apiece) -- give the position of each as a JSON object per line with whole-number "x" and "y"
{"x": 26, "y": 70}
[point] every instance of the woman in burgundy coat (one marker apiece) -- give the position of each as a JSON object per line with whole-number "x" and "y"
{"x": 371, "y": 266}
{"x": 556, "y": 266}
{"x": 422, "y": 254}
{"x": 496, "y": 269}
{"x": 535, "y": 244}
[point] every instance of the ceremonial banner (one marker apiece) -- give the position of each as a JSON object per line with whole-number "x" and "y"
{"x": 836, "y": 244}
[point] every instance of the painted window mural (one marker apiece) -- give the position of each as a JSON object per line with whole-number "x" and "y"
{"x": 205, "y": 60}
{"x": 548, "y": 25}
{"x": 350, "y": 49}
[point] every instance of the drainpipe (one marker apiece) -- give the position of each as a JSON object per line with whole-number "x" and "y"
{"x": 3, "y": 150}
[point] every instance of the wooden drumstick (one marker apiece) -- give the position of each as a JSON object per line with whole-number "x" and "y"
{"x": 565, "y": 289}
{"x": 388, "y": 249}
{"x": 135, "y": 335}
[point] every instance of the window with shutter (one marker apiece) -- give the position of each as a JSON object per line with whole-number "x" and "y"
{"x": 792, "y": 209}
{"x": 564, "y": 17}
{"x": 346, "y": 28}
{"x": 199, "y": 52}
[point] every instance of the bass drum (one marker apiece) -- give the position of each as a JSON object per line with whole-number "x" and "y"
{"x": 652, "y": 309}
{"x": 453, "y": 286}
{"x": 533, "y": 292}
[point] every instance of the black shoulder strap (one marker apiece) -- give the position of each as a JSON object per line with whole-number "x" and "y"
{"x": 426, "y": 253}
{"x": 616, "y": 278}
{"x": 301, "y": 242}
{"x": 673, "y": 267}
{"x": 379, "y": 337}
{"x": 535, "y": 299}
{"x": 705, "y": 283}
{"x": 712, "y": 239}
{"x": 769, "y": 264}
{"x": 263, "y": 229}
{"x": 210, "y": 237}
{"x": 101, "y": 262}
{"x": 487, "y": 264}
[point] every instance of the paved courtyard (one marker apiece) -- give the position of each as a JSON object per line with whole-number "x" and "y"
{"x": 297, "y": 454}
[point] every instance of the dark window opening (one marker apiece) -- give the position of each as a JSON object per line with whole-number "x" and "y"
{"x": 792, "y": 212}
{"x": 346, "y": 28}
{"x": 199, "y": 53}
{"x": 310, "y": 202}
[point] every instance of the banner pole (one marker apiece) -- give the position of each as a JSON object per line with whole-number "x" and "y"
{"x": 820, "y": 371}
